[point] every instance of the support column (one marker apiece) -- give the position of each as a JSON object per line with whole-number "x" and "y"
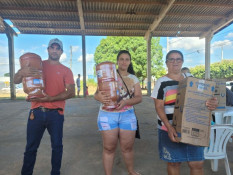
{"x": 84, "y": 64}
{"x": 10, "y": 35}
{"x": 207, "y": 56}
{"x": 149, "y": 65}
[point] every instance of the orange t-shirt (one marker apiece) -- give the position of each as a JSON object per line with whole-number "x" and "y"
{"x": 56, "y": 76}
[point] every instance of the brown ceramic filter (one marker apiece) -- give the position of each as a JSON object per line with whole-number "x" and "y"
{"x": 107, "y": 81}
{"x": 33, "y": 86}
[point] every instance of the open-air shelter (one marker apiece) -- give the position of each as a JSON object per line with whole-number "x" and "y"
{"x": 146, "y": 18}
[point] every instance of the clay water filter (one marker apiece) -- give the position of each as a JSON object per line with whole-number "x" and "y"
{"x": 33, "y": 86}
{"x": 107, "y": 81}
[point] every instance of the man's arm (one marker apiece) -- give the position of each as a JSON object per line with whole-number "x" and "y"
{"x": 68, "y": 93}
{"x": 18, "y": 77}
{"x": 25, "y": 72}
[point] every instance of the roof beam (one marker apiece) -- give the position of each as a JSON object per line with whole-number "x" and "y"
{"x": 26, "y": 20}
{"x": 121, "y": 1}
{"x": 36, "y": 8}
{"x": 188, "y": 23}
{"x": 156, "y": 22}
{"x": 204, "y": 4}
{"x": 2, "y": 24}
{"x": 51, "y": 9}
{"x": 197, "y": 15}
{"x": 128, "y": 2}
{"x": 98, "y": 27}
{"x": 80, "y": 14}
{"x": 104, "y": 12}
{"x": 8, "y": 29}
{"x": 218, "y": 26}
{"x": 157, "y": 3}
{"x": 44, "y": 18}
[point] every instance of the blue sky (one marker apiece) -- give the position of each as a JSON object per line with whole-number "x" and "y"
{"x": 192, "y": 48}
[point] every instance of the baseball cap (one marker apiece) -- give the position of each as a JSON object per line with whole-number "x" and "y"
{"x": 55, "y": 41}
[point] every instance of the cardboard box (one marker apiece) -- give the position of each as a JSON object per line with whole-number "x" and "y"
{"x": 220, "y": 93}
{"x": 191, "y": 117}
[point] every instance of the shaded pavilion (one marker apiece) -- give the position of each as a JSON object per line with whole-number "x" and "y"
{"x": 145, "y": 18}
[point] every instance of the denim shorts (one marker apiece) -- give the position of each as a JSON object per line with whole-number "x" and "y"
{"x": 178, "y": 152}
{"x": 110, "y": 120}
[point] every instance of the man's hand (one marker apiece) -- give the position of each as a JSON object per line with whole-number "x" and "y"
{"x": 26, "y": 72}
{"x": 46, "y": 98}
{"x": 29, "y": 72}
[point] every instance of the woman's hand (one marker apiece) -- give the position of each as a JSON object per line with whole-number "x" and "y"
{"x": 103, "y": 97}
{"x": 172, "y": 133}
{"x": 121, "y": 104}
{"x": 212, "y": 103}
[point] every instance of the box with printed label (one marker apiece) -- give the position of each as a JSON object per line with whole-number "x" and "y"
{"x": 191, "y": 117}
{"x": 220, "y": 93}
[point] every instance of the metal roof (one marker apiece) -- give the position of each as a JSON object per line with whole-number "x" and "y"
{"x": 186, "y": 18}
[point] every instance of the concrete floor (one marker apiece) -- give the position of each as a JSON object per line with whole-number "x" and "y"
{"x": 82, "y": 142}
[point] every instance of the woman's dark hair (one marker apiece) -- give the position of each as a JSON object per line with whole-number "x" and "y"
{"x": 174, "y": 51}
{"x": 130, "y": 68}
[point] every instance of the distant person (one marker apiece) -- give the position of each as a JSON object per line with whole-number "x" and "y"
{"x": 229, "y": 97}
{"x": 164, "y": 95}
{"x": 186, "y": 72}
{"x": 87, "y": 91}
{"x": 120, "y": 124}
{"x": 78, "y": 85}
{"x": 48, "y": 112}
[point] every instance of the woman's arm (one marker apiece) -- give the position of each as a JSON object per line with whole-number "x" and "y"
{"x": 159, "y": 107}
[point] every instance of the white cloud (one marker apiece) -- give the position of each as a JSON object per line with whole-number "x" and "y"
{"x": 221, "y": 43}
{"x": 75, "y": 48}
{"x": 17, "y": 61}
{"x": 21, "y": 52}
{"x": 188, "y": 60}
{"x": 4, "y": 65}
{"x": 89, "y": 57}
{"x": 164, "y": 49}
{"x": 189, "y": 43}
{"x": 63, "y": 57}
{"x": 229, "y": 35}
{"x": 3, "y": 51}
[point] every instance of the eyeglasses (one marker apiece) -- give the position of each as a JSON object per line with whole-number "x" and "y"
{"x": 172, "y": 60}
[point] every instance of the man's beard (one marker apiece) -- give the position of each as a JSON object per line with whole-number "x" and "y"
{"x": 54, "y": 57}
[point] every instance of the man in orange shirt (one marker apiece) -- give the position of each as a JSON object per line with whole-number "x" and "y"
{"x": 48, "y": 112}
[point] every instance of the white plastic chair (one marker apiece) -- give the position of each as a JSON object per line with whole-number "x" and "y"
{"x": 219, "y": 137}
{"x": 228, "y": 118}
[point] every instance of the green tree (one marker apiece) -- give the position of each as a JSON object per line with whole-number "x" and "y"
{"x": 7, "y": 75}
{"x": 198, "y": 71}
{"x": 223, "y": 69}
{"x": 108, "y": 49}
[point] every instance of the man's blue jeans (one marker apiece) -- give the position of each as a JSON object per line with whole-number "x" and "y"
{"x": 53, "y": 122}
